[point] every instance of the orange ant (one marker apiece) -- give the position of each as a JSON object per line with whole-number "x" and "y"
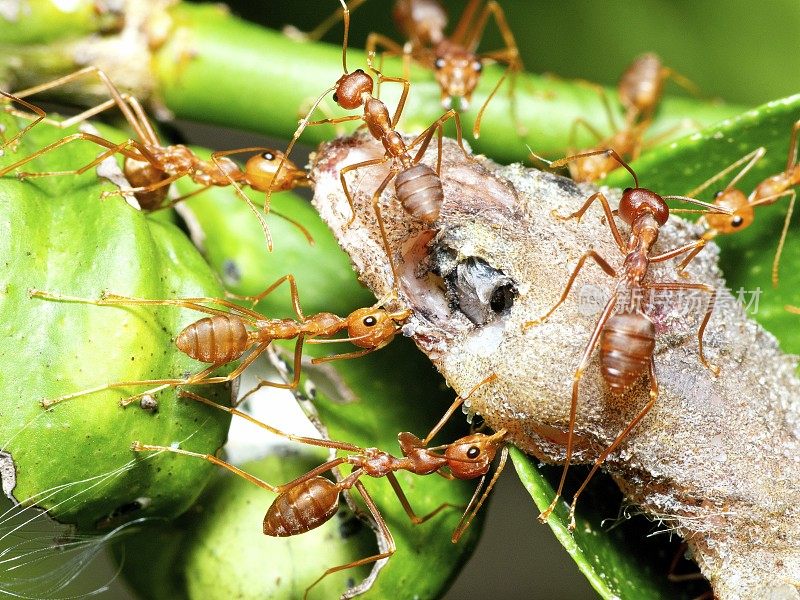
{"x": 627, "y": 338}
{"x": 311, "y": 500}
{"x": 151, "y": 166}
{"x": 418, "y": 187}
{"x": 640, "y": 89}
{"x": 226, "y": 335}
{"x": 767, "y": 192}
{"x": 454, "y": 60}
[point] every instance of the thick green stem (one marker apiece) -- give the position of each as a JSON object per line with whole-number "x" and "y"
{"x": 42, "y": 21}
{"x": 214, "y": 67}
{"x": 221, "y": 69}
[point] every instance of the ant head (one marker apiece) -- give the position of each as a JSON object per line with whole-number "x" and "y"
{"x": 458, "y": 72}
{"x": 638, "y": 201}
{"x": 742, "y": 212}
{"x": 471, "y": 456}
{"x": 271, "y": 170}
{"x": 374, "y": 327}
{"x": 350, "y": 89}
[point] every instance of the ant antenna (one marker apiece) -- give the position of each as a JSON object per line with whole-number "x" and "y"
{"x": 711, "y": 207}
{"x": 346, "y": 19}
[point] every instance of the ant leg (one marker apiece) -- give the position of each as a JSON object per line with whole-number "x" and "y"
{"x": 573, "y": 409}
{"x": 140, "y": 447}
{"x": 40, "y": 115}
{"x": 295, "y": 438}
{"x": 298, "y": 357}
{"x": 712, "y": 299}
{"x": 383, "y": 531}
{"x": 161, "y": 383}
{"x": 116, "y": 300}
{"x": 323, "y": 28}
{"x": 121, "y": 148}
{"x": 601, "y": 262}
{"x": 401, "y": 496}
{"x": 376, "y": 207}
{"x": 461, "y": 30}
{"x": 345, "y": 356}
{"x": 347, "y": 194}
{"x": 791, "y": 159}
{"x": 612, "y": 225}
{"x": 403, "y": 95}
{"x": 704, "y": 239}
{"x": 573, "y": 132}
{"x": 298, "y": 310}
{"x": 776, "y": 261}
{"x": 146, "y": 188}
{"x": 118, "y": 149}
{"x": 201, "y": 378}
{"x": 190, "y": 303}
{"x": 473, "y": 507}
{"x": 617, "y": 441}
{"x": 458, "y": 402}
{"x": 680, "y": 250}
{"x": 751, "y": 159}
{"x": 143, "y": 131}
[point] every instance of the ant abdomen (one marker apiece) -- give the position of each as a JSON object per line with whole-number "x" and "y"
{"x": 641, "y": 84}
{"x": 216, "y": 340}
{"x": 140, "y": 173}
{"x": 626, "y": 348}
{"x": 302, "y": 508}
{"x": 419, "y": 190}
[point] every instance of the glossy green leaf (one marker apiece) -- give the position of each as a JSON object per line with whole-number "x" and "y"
{"x": 746, "y": 257}
{"x": 58, "y": 236}
{"x": 613, "y": 551}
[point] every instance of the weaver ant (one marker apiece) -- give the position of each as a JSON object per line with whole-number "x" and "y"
{"x": 225, "y": 336}
{"x": 150, "y": 166}
{"x": 311, "y": 500}
{"x": 418, "y": 187}
{"x": 627, "y": 338}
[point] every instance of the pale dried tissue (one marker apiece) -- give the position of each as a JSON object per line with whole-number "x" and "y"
{"x": 718, "y": 458}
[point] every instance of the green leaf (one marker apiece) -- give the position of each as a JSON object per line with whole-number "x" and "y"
{"x": 616, "y": 554}
{"x": 58, "y": 236}
{"x": 747, "y": 256}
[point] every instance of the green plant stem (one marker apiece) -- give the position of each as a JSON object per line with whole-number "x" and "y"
{"x": 242, "y": 75}
{"x": 217, "y": 68}
{"x": 42, "y": 21}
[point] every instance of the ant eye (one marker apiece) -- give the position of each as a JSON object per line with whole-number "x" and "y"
{"x": 370, "y": 321}
{"x": 473, "y": 452}
{"x": 627, "y": 190}
{"x": 439, "y": 64}
{"x": 478, "y": 66}
{"x": 335, "y": 97}
{"x": 737, "y": 221}
{"x": 268, "y": 156}
{"x": 359, "y": 70}
{"x": 717, "y": 194}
